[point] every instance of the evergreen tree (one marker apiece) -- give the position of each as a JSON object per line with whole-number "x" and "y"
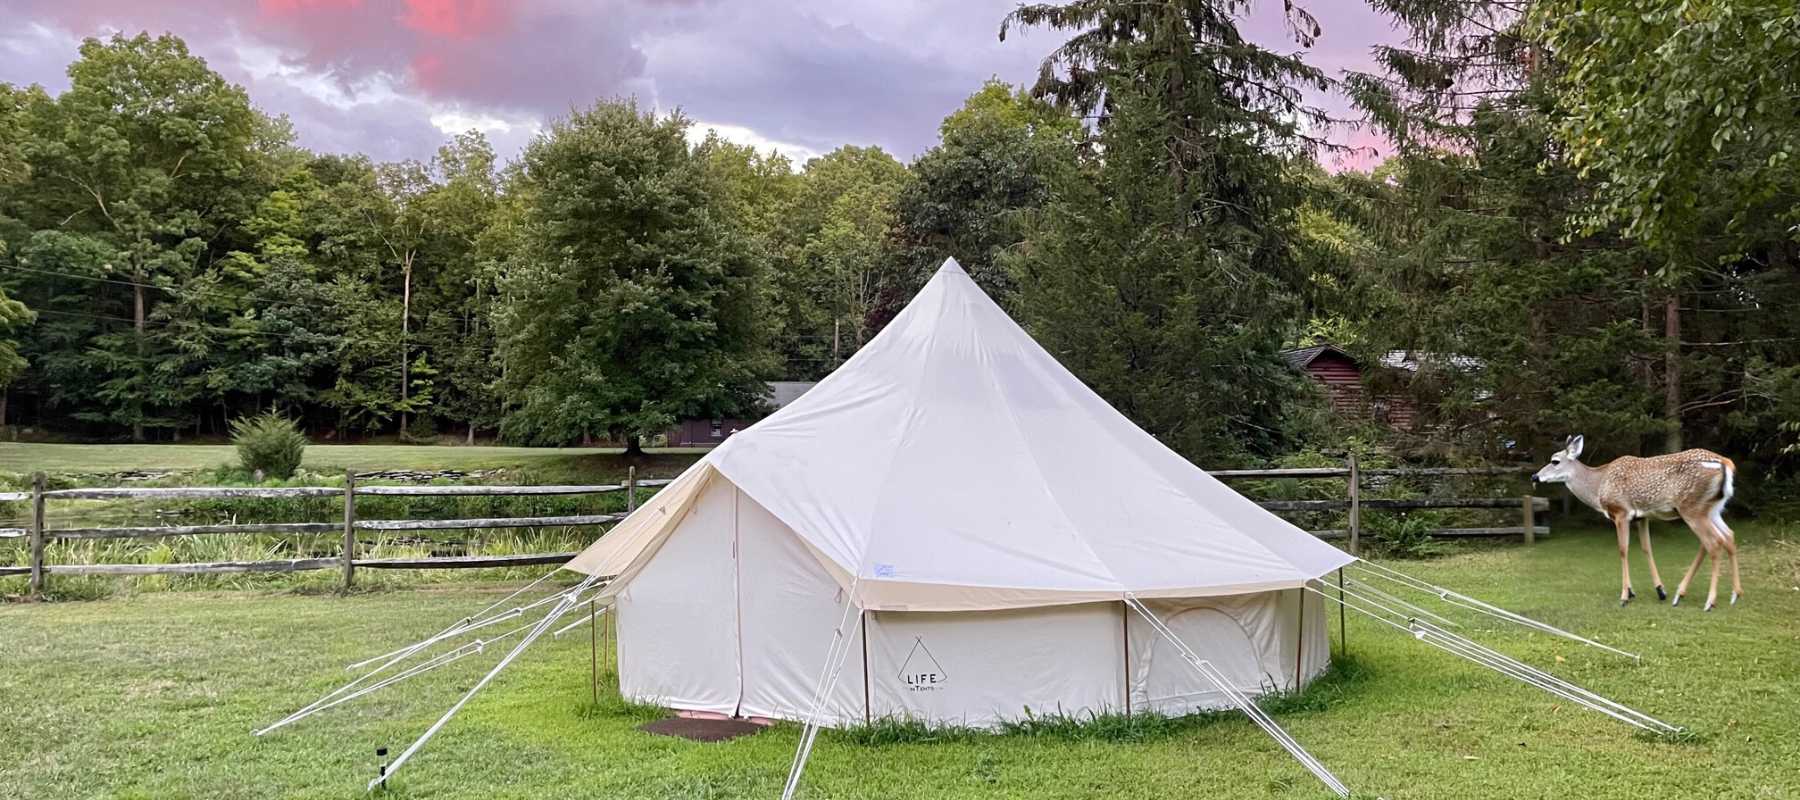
{"x": 1161, "y": 271}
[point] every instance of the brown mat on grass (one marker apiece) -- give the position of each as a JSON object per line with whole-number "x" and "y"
{"x": 701, "y": 730}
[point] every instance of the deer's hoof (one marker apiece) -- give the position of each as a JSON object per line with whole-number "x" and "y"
{"x": 1709, "y": 607}
{"x": 1734, "y": 598}
{"x": 1675, "y": 602}
{"x": 1661, "y": 596}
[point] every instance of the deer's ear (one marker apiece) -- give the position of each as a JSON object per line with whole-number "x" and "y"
{"x": 1575, "y": 446}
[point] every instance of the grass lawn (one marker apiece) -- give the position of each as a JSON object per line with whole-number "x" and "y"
{"x": 101, "y": 458}
{"x": 154, "y": 695}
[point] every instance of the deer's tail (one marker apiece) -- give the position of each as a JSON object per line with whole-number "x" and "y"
{"x": 1725, "y": 490}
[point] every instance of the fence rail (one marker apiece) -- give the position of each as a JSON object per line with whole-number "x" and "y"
{"x": 39, "y": 534}
{"x": 349, "y": 562}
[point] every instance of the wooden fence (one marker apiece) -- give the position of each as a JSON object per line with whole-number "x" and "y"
{"x": 348, "y": 561}
{"x": 39, "y": 534}
{"x": 1355, "y": 481}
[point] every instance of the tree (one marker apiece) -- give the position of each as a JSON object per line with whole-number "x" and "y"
{"x": 1161, "y": 270}
{"x": 1686, "y": 108}
{"x": 145, "y": 152}
{"x": 844, "y": 211}
{"x": 463, "y": 206}
{"x": 630, "y": 303}
{"x": 970, "y": 191}
{"x": 1493, "y": 246}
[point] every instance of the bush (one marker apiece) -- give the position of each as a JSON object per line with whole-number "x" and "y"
{"x": 269, "y": 442}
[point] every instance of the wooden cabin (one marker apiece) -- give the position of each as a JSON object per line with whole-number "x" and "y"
{"x": 1346, "y": 381}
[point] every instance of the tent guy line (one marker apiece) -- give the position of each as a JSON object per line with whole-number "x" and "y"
{"x": 1481, "y": 655}
{"x": 461, "y": 627}
{"x": 568, "y": 602}
{"x": 1244, "y": 704}
{"x": 828, "y": 678}
{"x": 1455, "y": 598}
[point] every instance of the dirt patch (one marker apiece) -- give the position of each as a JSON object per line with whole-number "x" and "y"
{"x": 702, "y": 730}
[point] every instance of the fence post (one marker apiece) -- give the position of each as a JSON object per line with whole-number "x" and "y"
{"x": 349, "y": 528}
{"x": 630, "y": 489}
{"x": 1355, "y": 507}
{"x": 37, "y": 535}
{"x": 1529, "y": 517}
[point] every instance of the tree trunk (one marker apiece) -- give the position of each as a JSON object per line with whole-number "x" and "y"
{"x": 137, "y": 298}
{"x": 634, "y": 446}
{"x": 1672, "y": 371}
{"x": 471, "y": 441}
{"x": 405, "y": 331}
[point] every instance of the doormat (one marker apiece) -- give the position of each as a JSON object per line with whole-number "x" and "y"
{"x": 702, "y": 730}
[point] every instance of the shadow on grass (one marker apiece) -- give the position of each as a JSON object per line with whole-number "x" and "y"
{"x": 1342, "y": 678}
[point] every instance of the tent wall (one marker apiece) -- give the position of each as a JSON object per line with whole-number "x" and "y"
{"x": 1253, "y": 640}
{"x": 677, "y": 618}
{"x": 734, "y": 612}
{"x": 977, "y": 668}
{"x": 790, "y": 607}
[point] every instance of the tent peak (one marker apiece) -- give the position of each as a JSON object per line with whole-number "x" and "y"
{"x": 950, "y": 266}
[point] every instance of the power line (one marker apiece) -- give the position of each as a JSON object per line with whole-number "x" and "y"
{"x": 122, "y": 282}
{"x": 323, "y": 337}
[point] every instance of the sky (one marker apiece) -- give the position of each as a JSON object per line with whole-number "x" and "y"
{"x": 395, "y": 78}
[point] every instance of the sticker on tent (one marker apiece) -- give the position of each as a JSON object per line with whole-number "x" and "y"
{"x": 921, "y": 671}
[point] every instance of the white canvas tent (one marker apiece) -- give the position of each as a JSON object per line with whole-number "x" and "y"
{"x": 987, "y": 517}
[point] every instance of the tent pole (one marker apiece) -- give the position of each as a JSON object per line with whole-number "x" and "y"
{"x": 1243, "y": 703}
{"x": 537, "y": 630}
{"x": 1125, "y": 638}
{"x": 867, "y": 718}
{"x": 593, "y": 654}
{"x": 1299, "y": 637}
{"x": 1343, "y": 629}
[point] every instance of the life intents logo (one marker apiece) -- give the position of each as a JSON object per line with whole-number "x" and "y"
{"x": 921, "y": 671}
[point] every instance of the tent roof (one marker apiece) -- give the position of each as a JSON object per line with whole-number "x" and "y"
{"x": 952, "y": 463}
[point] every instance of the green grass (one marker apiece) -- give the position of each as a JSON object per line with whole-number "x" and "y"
{"x": 154, "y": 695}
{"x": 105, "y": 458}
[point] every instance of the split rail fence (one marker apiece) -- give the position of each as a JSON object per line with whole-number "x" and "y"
{"x": 39, "y": 534}
{"x": 349, "y": 562}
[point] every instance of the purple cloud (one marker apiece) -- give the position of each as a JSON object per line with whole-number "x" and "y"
{"x": 394, "y": 77}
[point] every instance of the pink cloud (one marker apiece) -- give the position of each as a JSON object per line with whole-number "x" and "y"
{"x": 453, "y": 18}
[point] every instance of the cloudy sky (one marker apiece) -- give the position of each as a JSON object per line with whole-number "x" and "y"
{"x": 392, "y": 78}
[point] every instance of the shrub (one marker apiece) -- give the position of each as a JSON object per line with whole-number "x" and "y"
{"x": 269, "y": 442}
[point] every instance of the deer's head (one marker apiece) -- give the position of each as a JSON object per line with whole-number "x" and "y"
{"x": 1562, "y": 465}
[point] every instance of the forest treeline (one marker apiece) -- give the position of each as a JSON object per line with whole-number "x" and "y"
{"x": 1575, "y": 229}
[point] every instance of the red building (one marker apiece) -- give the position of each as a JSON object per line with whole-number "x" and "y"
{"x": 1347, "y": 384}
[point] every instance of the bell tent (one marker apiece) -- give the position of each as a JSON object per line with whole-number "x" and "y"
{"x": 986, "y": 515}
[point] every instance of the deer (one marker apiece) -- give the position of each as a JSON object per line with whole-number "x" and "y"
{"x": 1692, "y": 485}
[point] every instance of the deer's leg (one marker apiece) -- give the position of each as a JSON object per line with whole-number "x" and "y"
{"x": 1729, "y": 541}
{"x": 1622, "y": 522}
{"x": 1681, "y": 588}
{"x": 1655, "y": 578}
{"x": 1712, "y": 589}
